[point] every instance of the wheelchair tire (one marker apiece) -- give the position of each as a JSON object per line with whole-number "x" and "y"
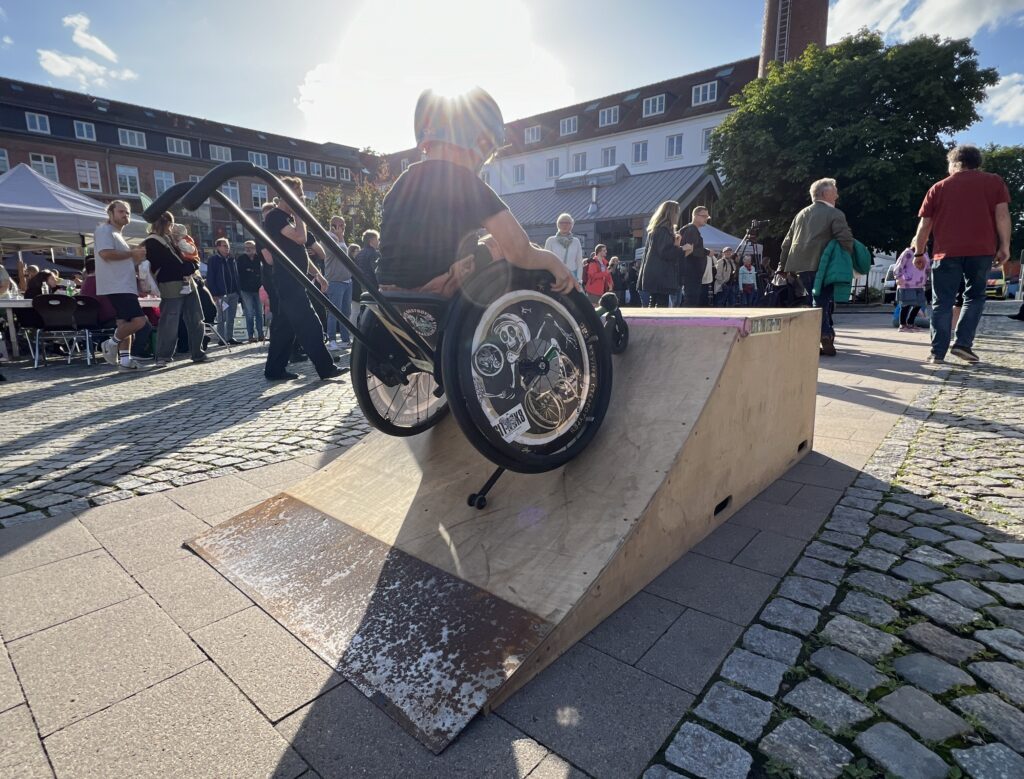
{"x": 528, "y": 372}
{"x": 417, "y": 408}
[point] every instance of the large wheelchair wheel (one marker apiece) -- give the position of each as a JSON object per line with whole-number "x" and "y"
{"x": 392, "y": 406}
{"x": 528, "y": 372}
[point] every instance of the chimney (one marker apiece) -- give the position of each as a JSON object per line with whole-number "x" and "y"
{"x": 789, "y": 27}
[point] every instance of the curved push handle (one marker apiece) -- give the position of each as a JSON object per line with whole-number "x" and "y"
{"x": 213, "y": 180}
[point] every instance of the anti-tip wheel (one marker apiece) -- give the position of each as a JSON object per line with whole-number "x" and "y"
{"x": 481, "y": 502}
{"x": 471, "y": 500}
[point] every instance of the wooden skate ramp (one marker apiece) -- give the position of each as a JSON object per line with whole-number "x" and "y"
{"x": 438, "y": 611}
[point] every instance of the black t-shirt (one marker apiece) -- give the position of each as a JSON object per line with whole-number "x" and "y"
{"x": 275, "y": 222}
{"x": 424, "y": 218}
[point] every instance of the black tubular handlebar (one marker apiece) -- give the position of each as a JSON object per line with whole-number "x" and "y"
{"x": 211, "y": 183}
{"x": 170, "y": 196}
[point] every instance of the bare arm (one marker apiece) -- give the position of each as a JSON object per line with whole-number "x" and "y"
{"x": 924, "y": 229}
{"x": 523, "y": 254}
{"x": 296, "y": 232}
{"x": 1003, "y": 231}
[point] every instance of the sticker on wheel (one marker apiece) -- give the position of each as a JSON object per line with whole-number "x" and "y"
{"x": 512, "y": 423}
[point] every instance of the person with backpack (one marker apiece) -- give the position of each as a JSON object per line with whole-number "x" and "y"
{"x": 725, "y": 279}
{"x": 911, "y": 275}
{"x": 596, "y": 278}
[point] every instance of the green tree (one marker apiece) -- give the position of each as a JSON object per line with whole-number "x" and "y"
{"x": 1008, "y": 162}
{"x": 877, "y": 118}
{"x": 325, "y": 204}
{"x": 360, "y": 205}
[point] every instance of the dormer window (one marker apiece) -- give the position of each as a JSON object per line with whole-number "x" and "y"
{"x": 532, "y": 134}
{"x": 654, "y": 105}
{"x": 608, "y": 116}
{"x": 705, "y": 93}
{"x": 568, "y": 126}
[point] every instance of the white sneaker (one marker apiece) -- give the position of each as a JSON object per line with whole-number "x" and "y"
{"x": 109, "y": 351}
{"x": 333, "y": 346}
{"x": 132, "y": 366}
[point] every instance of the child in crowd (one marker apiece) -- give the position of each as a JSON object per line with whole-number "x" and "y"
{"x": 911, "y": 277}
{"x": 747, "y": 281}
{"x": 187, "y": 248}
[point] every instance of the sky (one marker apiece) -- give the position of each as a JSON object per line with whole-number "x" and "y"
{"x": 349, "y": 71}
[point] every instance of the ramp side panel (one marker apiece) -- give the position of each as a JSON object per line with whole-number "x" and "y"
{"x": 549, "y": 535}
{"x": 424, "y": 645}
{"x": 749, "y": 434}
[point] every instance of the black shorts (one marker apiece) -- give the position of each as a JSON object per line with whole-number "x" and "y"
{"x": 126, "y": 306}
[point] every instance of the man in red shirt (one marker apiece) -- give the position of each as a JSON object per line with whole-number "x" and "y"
{"x": 968, "y": 213}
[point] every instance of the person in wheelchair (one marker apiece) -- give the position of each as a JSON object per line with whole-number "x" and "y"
{"x": 437, "y": 202}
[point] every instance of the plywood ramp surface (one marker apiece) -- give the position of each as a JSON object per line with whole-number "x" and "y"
{"x": 706, "y": 411}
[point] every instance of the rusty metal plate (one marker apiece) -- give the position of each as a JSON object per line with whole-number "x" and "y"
{"x": 424, "y": 645}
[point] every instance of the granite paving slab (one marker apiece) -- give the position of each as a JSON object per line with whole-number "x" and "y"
{"x": 734, "y": 710}
{"x": 992, "y": 761}
{"x": 192, "y": 593}
{"x": 999, "y": 718}
{"x": 705, "y": 754}
{"x": 635, "y": 627}
{"x": 847, "y": 669}
{"x": 930, "y": 673}
{"x": 898, "y": 753}
{"x": 690, "y": 650}
{"x": 10, "y": 688}
{"x": 774, "y": 644}
{"x": 44, "y": 541}
{"x": 807, "y": 752}
{"x": 942, "y": 643}
{"x": 21, "y": 752}
{"x": 723, "y": 590}
{"x": 830, "y": 706}
{"x": 922, "y": 714}
{"x": 867, "y": 642}
{"x": 1006, "y": 678}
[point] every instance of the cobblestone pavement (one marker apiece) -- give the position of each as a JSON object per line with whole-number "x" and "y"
{"x": 895, "y": 645}
{"x": 76, "y": 436}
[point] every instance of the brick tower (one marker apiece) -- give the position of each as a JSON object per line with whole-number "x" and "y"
{"x": 789, "y": 27}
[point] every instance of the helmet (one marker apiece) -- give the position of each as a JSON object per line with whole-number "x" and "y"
{"x": 470, "y": 121}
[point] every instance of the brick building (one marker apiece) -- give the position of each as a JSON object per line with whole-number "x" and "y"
{"x": 109, "y": 150}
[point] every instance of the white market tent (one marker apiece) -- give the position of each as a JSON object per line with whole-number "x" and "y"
{"x": 717, "y": 239}
{"x": 36, "y": 212}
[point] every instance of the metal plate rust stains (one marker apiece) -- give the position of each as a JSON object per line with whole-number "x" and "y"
{"x": 424, "y": 645}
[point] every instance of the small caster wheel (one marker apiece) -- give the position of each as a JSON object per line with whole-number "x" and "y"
{"x": 480, "y": 502}
{"x": 471, "y": 500}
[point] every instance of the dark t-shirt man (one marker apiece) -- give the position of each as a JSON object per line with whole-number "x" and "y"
{"x": 695, "y": 263}
{"x": 249, "y": 275}
{"x": 275, "y": 222}
{"x": 962, "y": 208}
{"x": 426, "y": 215}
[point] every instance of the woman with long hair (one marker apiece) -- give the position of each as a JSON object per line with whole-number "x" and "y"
{"x": 660, "y": 267}
{"x": 178, "y": 297}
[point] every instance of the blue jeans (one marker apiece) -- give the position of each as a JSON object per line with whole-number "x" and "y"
{"x": 946, "y": 276}
{"x": 825, "y": 301}
{"x": 340, "y": 294}
{"x": 253, "y": 309}
{"x": 226, "y": 310}
{"x": 726, "y": 296}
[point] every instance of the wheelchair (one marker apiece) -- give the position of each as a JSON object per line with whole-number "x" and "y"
{"x": 525, "y": 372}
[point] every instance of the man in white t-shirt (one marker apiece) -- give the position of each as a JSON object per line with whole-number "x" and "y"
{"x": 116, "y": 279}
{"x": 566, "y": 246}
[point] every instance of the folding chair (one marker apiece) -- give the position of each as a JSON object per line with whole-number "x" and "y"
{"x": 87, "y": 312}
{"x": 57, "y": 313}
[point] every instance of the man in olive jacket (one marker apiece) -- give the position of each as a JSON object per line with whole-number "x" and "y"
{"x": 804, "y": 244}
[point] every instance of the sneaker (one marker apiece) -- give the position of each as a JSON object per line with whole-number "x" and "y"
{"x": 109, "y": 351}
{"x": 906, "y": 329}
{"x": 161, "y": 363}
{"x": 828, "y": 348}
{"x": 132, "y": 366}
{"x": 933, "y": 360}
{"x": 333, "y": 346}
{"x": 964, "y": 354}
{"x": 201, "y": 358}
{"x": 286, "y": 376}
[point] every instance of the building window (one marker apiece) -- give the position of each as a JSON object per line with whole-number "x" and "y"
{"x": 162, "y": 181}
{"x": 179, "y": 146}
{"x": 88, "y": 173}
{"x": 639, "y": 152}
{"x": 608, "y": 157}
{"x": 568, "y": 126}
{"x": 553, "y": 167}
{"x": 705, "y": 93}
{"x": 579, "y": 161}
{"x": 132, "y": 138}
{"x": 405, "y": 164}
{"x": 259, "y": 158}
{"x": 230, "y": 189}
{"x": 127, "y": 180}
{"x": 486, "y": 177}
{"x": 346, "y": 174}
{"x": 518, "y": 174}
{"x": 85, "y": 131}
{"x": 316, "y": 169}
{"x": 285, "y": 164}
{"x": 532, "y": 134}
{"x": 44, "y": 164}
{"x": 705, "y": 139}
{"x": 608, "y": 116}
{"x": 259, "y": 195}
{"x": 5, "y": 163}
{"x": 674, "y": 146}
{"x": 300, "y": 166}
{"x": 37, "y": 123}
{"x": 220, "y": 153}
{"x": 654, "y": 105}
{"x": 330, "y": 171}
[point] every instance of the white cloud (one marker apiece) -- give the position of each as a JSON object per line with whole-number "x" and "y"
{"x": 365, "y": 92}
{"x": 1005, "y": 102}
{"x": 7, "y": 40}
{"x": 904, "y": 19}
{"x": 85, "y": 39}
{"x": 87, "y": 72}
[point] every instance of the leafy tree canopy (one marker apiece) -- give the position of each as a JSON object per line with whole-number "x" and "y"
{"x": 876, "y": 118}
{"x": 1008, "y": 162}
